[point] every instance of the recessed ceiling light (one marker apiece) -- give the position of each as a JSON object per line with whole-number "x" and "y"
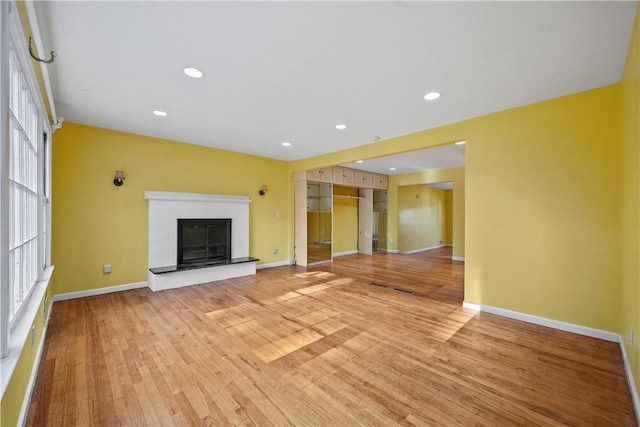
{"x": 461, "y": 142}
{"x": 341, "y": 126}
{"x": 432, "y": 95}
{"x": 376, "y": 138}
{"x": 359, "y": 161}
{"x": 286, "y": 144}
{"x": 193, "y": 72}
{"x": 392, "y": 169}
{"x": 160, "y": 113}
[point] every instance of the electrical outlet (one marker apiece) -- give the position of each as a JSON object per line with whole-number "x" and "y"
{"x": 33, "y": 335}
{"x": 274, "y": 251}
{"x": 106, "y": 269}
{"x": 631, "y": 334}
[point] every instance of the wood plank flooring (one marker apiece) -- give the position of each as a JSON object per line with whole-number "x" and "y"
{"x": 329, "y": 345}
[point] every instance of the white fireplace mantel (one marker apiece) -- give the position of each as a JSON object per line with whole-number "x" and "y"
{"x": 165, "y": 208}
{"x": 195, "y": 197}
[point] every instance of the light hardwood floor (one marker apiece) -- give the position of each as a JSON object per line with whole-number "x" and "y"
{"x": 320, "y": 346}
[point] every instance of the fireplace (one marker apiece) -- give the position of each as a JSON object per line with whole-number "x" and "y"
{"x": 204, "y": 241}
{"x": 166, "y": 209}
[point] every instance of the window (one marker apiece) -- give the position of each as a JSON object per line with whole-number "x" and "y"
{"x": 23, "y": 188}
{"x": 25, "y": 160}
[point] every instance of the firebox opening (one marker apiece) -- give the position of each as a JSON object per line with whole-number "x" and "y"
{"x": 204, "y": 241}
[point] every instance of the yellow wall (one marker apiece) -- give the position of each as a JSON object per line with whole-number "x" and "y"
{"x": 345, "y": 220}
{"x": 448, "y": 227}
{"x": 15, "y": 394}
{"x": 542, "y": 209}
{"x": 455, "y": 175}
{"x": 96, "y": 223}
{"x": 421, "y": 217}
{"x": 629, "y": 194}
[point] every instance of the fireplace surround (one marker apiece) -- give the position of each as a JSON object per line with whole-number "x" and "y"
{"x": 164, "y": 211}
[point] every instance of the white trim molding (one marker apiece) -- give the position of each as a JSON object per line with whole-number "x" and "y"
{"x": 37, "y": 39}
{"x": 99, "y": 291}
{"x": 543, "y": 321}
{"x": 630, "y": 380}
{"x": 393, "y": 251}
{"x": 414, "y": 251}
{"x": 195, "y": 197}
{"x": 273, "y": 264}
{"x": 457, "y": 258}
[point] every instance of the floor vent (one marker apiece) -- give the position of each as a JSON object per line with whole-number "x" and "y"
{"x": 402, "y": 290}
{"x": 380, "y": 285}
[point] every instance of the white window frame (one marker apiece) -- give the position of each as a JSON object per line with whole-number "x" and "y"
{"x": 14, "y": 332}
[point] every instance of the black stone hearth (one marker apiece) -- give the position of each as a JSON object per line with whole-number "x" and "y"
{"x": 184, "y": 267}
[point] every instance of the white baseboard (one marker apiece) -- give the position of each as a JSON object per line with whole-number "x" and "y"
{"x": 632, "y": 383}
{"x": 99, "y": 291}
{"x": 568, "y": 327}
{"x": 273, "y": 264}
{"x": 457, "y": 258}
{"x": 543, "y": 321}
{"x": 393, "y": 251}
{"x": 22, "y": 419}
{"x": 424, "y": 249}
{"x": 337, "y": 254}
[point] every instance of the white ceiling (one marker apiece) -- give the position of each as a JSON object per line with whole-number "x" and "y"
{"x": 445, "y": 156}
{"x": 290, "y": 71}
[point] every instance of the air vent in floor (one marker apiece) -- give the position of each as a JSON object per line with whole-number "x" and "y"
{"x": 380, "y": 285}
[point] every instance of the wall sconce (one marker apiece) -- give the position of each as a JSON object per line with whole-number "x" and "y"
{"x": 118, "y": 180}
{"x": 263, "y": 190}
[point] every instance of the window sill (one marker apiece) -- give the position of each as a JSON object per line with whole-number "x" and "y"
{"x": 20, "y": 332}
